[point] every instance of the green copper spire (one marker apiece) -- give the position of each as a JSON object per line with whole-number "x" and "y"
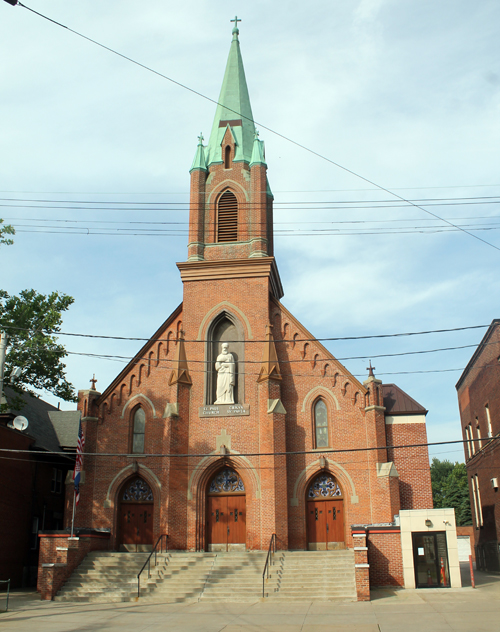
{"x": 258, "y": 152}
{"x": 199, "y": 161}
{"x": 234, "y": 109}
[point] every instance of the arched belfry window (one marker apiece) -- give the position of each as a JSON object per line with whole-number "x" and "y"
{"x": 227, "y": 157}
{"x": 138, "y": 431}
{"x": 321, "y": 424}
{"x": 227, "y": 217}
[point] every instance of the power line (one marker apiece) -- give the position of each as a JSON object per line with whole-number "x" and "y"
{"x": 286, "y": 138}
{"x": 253, "y": 454}
{"x": 331, "y": 339}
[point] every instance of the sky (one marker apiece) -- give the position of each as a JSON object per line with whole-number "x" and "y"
{"x": 95, "y": 157}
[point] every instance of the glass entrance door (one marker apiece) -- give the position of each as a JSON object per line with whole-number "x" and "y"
{"x": 430, "y": 558}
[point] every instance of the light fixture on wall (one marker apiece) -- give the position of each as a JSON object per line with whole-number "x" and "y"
{"x": 322, "y": 462}
{"x": 428, "y": 523}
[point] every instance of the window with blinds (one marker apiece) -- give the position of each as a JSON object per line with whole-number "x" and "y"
{"x": 227, "y": 217}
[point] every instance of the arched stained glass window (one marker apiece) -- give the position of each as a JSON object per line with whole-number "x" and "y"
{"x": 138, "y": 431}
{"x": 137, "y": 490}
{"x": 324, "y": 486}
{"x": 321, "y": 424}
{"x": 227, "y": 481}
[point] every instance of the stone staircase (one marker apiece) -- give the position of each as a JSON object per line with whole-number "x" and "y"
{"x": 104, "y": 577}
{"x": 183, "y": 576}
{"x": 237, "y": 577}
{"x": 315, "y": 576}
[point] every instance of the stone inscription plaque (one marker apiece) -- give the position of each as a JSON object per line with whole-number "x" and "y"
{"x": 224, "y": 410}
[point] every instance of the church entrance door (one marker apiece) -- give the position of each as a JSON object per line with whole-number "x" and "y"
{"x": 226, "y": 513}
{"x": 135, "y": 523}
{"x": 325, "y": 514}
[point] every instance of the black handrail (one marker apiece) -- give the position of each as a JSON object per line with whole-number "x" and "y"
{"x": 6, "y": 581}
{"x": 148, "y": 561}
{"x": 269, "y": 560}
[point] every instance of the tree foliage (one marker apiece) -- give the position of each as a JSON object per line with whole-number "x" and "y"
{"x": 450, "y": 488}
{"x": 31, "y": 320}
{"x": 6, "y": 229}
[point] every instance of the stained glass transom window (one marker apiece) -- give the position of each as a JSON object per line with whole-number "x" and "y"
{"x": 324, "y": 486}
{"x": 137, "y": 490}
{"x": 225, "y": 482}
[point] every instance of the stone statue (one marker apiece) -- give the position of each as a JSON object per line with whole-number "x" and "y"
{"x": 225, "y": 368}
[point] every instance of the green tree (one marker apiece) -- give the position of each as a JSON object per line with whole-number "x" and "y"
{"x": 450, "y": 488}
{"x": 31, "y": 320}
{"x": 6, "y": 229}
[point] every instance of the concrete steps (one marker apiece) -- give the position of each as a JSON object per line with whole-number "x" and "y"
{"x": 316, "y": 576}
{"x": 183, "y": 576}
{"x": 237, "y": 577}
{"x": 104, "y": 577}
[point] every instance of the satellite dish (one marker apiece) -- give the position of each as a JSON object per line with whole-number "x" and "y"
{"x": 20, "y": 423}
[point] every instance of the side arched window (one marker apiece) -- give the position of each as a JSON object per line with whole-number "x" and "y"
{"x": 227, "y": 217}
{"x": 138, "y": 431}
{"x": 321, "y": 424}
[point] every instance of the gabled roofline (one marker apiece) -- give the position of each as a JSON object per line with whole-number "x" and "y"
{"x": 139, "y": 354}
{"x": 423, "y": 410}
{"x": 316, "y": 342}
{"x": 494, "y": 323}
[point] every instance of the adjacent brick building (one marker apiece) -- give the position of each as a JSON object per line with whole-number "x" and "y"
{"x": 33, "y": 482}
{"x": 233, "y": 422}
{"x": 479, "y": 400}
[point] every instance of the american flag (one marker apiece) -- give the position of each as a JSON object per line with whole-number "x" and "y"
{"x": 78, "y": 463}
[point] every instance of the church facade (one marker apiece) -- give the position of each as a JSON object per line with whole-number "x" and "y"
{"x": 233, "y": 423}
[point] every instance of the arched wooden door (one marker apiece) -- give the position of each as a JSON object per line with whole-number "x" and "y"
{"x": 135, "y": 528}
{"x": 325, "y": 514}
{"x": 226, "y": 512}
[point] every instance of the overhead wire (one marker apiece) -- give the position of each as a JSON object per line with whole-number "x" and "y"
{"x": 278, "y": 134}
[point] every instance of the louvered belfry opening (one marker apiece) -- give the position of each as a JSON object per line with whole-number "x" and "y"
{"x": 227, "y": 217}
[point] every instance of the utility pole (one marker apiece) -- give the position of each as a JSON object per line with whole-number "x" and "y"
{"x": 3, "y": 349}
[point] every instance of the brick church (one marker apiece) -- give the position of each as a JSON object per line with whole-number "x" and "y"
{"x": 233, "y": 423}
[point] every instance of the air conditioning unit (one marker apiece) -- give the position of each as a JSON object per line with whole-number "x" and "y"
{"x": 494, "y": 482}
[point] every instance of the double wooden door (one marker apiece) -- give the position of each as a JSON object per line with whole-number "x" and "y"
{"x": 136, "y": 522}
{"x": 226, "y": 523}
{"x": 325, "y": 524}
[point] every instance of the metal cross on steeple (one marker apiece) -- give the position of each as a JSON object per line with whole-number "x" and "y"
{"x": 370, "y": 370}
{"x": 93, "y": 381}
{"x": 236, "y": 30}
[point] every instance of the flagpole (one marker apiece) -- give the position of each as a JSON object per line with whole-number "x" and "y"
{"x": 73, "y": 517}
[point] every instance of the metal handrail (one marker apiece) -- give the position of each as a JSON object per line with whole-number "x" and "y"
{"x": 148, "y": 561}
{"x": 269, "y": 560}
{"x": 6, "y": 581}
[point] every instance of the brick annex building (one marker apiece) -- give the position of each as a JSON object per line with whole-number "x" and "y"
{"x": 230, "y": 444}
{"x": 479, "y": 401}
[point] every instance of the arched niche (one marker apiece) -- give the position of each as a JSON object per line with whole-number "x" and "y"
{"x": 225, "y": 327}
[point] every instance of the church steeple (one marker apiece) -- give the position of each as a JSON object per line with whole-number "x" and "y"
{"x": 231, "y": 204}
{"x": 234, "y": 109}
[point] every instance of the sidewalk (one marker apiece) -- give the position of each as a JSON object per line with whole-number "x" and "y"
{"x": 434, "y": 610}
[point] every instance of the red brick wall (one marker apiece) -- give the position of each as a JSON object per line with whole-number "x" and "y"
{"x": 385, "y": 558}
{"x": 476, "y": 389}
{"x": 412, "y": 464}
{"x": 63, "y": 563}
{"x": 16, "y": 474}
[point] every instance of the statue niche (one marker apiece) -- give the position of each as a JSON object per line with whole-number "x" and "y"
{"x": 224, "y": 362}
